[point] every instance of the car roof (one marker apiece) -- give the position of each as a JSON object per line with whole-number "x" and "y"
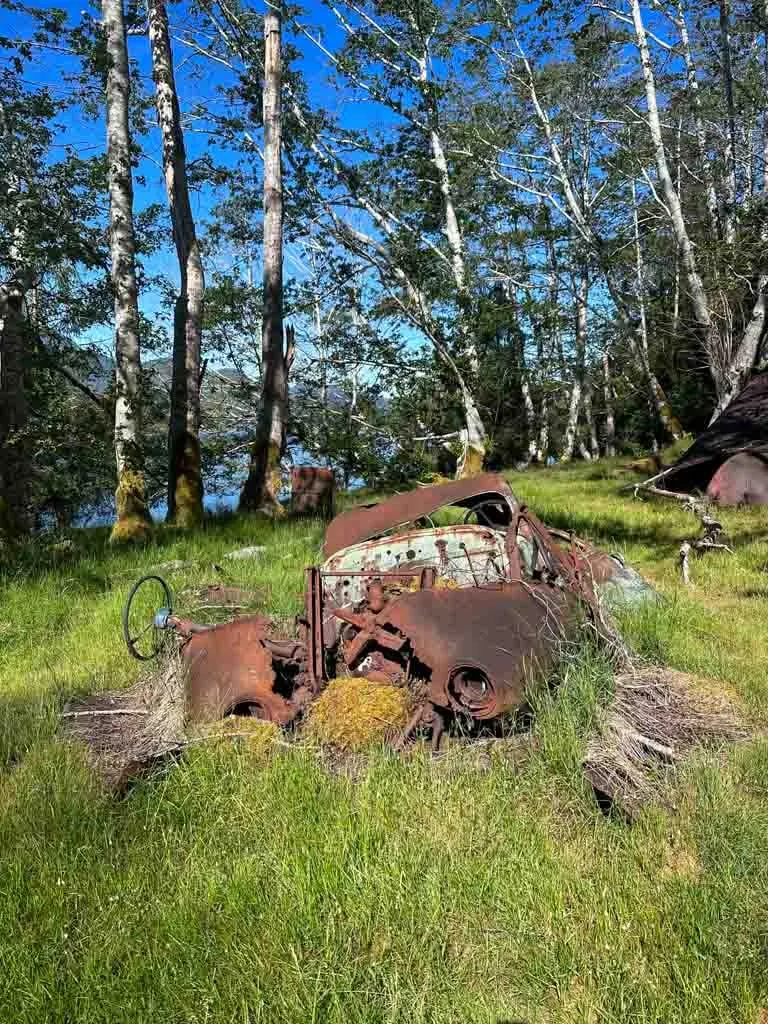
{"x": 367, "y": 521}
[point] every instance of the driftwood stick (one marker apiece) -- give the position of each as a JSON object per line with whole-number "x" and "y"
{"x": 685, "y": 550}
{"x": 705, "y": 544}
{"x": 645, "y": 483}
{"x": 100, "y": 712}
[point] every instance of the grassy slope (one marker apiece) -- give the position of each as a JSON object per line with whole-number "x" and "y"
{"x": 243, "y": 887}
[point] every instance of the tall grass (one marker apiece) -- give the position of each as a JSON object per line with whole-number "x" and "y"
{"x": 249, "y": 885}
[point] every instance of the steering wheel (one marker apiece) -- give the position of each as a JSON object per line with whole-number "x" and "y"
{"x": 145, "y": 612}
{"x": 476, "y": 511}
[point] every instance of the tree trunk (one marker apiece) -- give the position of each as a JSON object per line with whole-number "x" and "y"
{"x": 730, "y": 128}
{"x": 698, "y": 120}
{"x": 748, "y": 351}
{"x": 569, "y": 440}
{"x": 133, "y": 520}
{"x": 699, "y": 298}
{"x": 476, "y": 439}
{"x": 603, "y": 255}
{"x": 532, "y": 448}
{"x": 262, "y": 486}
{"x": 657, "y": 397}
{"x": 185, "y": 482}
{"x": 14, "y": 413}
{"x": 608, "y": 398}
{"x": 542, "y": 449}
{"x": 589, "y": 419}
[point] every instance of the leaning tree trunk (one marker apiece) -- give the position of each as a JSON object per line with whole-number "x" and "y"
{"x": 262, "y": 486}
{"x": 133, "y": 520}
{"x": 14, "y": 413}
{"x": 724, "y": 363}
{"x": 475, "y": 438}
{"x": 185, "y": 481}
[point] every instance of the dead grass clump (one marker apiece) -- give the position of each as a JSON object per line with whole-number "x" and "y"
{"x": 656, "y": 716}
{"x": 124, "y": 731}
{"x": 254, "y": 733}
{"x": 351, "y": 714}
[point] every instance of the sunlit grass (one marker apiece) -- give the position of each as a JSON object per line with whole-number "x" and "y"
{"x": 247, "y": 883}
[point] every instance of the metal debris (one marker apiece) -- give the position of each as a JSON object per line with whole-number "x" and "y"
{"x": 313, "y": 491}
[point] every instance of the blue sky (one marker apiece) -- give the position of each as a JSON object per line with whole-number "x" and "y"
{"x": 199, "y": 82}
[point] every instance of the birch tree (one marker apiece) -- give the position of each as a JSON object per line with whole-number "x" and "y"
{"x": 185, "y": 484}
{"x": 262, "y": 486}
{"x": 133, "y": 520}
{"x": 390, "y": 56}
{"x": 730, "y": 360}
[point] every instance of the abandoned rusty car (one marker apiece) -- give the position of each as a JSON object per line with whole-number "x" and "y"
{"x": 455, "y": 590}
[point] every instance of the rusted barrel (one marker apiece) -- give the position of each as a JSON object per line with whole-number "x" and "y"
{"x": 313, "y": 491}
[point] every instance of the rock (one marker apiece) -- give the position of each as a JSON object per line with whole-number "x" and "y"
{"x": 176, "y": 565}
{"x": 244, "y": 553}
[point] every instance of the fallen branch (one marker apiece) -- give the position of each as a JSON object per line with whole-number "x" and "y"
{"x": 685, "y": 550}
{"x": 95, "y": 712}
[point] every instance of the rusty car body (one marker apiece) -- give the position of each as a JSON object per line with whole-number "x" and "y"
{"x": 455, "y": 590}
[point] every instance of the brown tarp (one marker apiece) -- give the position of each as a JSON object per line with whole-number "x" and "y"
{"x": 742, "y": 427}
{"x": 367, "y": 521}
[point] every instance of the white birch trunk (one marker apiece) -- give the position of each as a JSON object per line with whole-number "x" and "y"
{"x": 532, "y": 451}
{"x": 263, "y": 484}
{"x": 476, "y": 439}
{"x": 698, "y": 120}
{"x": 608, "y": 399}
{"x": 699, "y": 299}
{"x": 185, "y": 482}
{"x": 572, "y": 422}
{"x": 577, "y": 389}
{"x": 133, "y": 520}
{"x": 589, "y": 236}
{"x": 729, "y": 226}
{"x": 748, "y": 350}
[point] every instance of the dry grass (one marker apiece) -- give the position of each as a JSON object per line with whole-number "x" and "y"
{"x": 124, "y": 731}
{"x": 655, "y": 717}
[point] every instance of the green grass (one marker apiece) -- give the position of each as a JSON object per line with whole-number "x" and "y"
{"x": 242, "y": 886}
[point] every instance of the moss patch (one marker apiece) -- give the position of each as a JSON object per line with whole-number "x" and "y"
{"x": 352, "y": 714}
{"x": 134, "y": 523}
{"x": 188, "y": 489}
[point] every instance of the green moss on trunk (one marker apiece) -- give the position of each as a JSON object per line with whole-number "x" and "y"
{"x": 134, "y": 523}
{"x": 261, "y": 490}
{"x": 188, "y": 489}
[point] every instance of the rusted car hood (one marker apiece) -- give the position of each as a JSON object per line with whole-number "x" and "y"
{"x": 366, "y": 521}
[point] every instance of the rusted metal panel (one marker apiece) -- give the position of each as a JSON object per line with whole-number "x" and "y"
{"x": 313, "y": 491}
{"x": 229, "y": 669}
{"x": 481, "y": 646}
{"x": 465, "y": 555}
{"x": 741, "y": 480}
{"x": 369, "y": 521}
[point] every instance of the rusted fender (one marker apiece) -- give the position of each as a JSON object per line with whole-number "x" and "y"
{"x": 483, "y": 645}
{"x": 228, "y": 667}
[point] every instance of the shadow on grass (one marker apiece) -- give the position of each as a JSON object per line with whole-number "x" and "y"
{"x": 663, "y": 536}
{"x": 74, "y": 551}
